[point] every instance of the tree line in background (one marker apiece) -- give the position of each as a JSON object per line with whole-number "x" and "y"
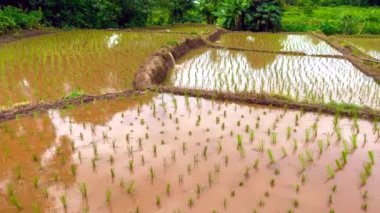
{"x": 232, "y": 14}
{"x": 255, "y": 15}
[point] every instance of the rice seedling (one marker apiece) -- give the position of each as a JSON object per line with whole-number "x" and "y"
{"x": 272, "y": 182}
{"x": 295, "y": 145}
{"x": 368, "y": 169}
{"x": 131, "y": 165}
{"x": 288, "y": 132}
{"x": 284, "y": 152}
{"x": 251, "y": 136}
{"x": 190, "y": 202}
{"x": 364, "y": 206}
{"x": 274, "y": 138}
{"x": 130, "y": 188}
{"x": 260, "y": 146}
{"x": 63, "y": 200}
{"x": 83, "y": 190}
{"x": 112, "y": 172}
{"x": 108, "y": 196}
{"x": 320, "y": 146}
{"x": 36, "y": 181}
{"x": 12, "y": 197}
{"x": 168, "y": 188}
{"x": 45, "y": 193}
{"x": 309, "y": 156}
{"x": 205, "y": 152}
{"x": 198, "y": 190}
{"x": 183, "y": 148}
{"x": 354, "y": 141}
{"x": 158, "y": 200}
{"x": 226, "y": 160}
{"x": 217, "y": 168}
{"x": 73, "y": 169}
{"x": 18, "y": 173}
{"x": 295, "y": 203}
{"x": 270, "y": 156}
{"x": 330, "y": 171}
{"x": 303, "y": 162}
{"x": 363, "y": 178}
{"x": 180, "y": 179}
{"x": 142, "y": 159}
{"x": 314, "y": 127}
{"x": 338, "y": 164}
{"x": 307, "y": 135}
{"x": 365, "y": 194}
{"x": 155, "y": 150}
{"x": 344, "y": 157}
{"x": 210, "y": 178}
{"x": 330, "y": 199}
{"x": 297, "y": 188}
{"x": 36, "y": 208}
{"x": 239, "y": 142}
{"x": 219, "y": 147}
{"x": 152, "y": 174}
{"x": 371, "y": 156}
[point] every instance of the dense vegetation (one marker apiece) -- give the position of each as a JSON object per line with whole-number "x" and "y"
{"x": 327, "y": 16}
{"x": 333, "y": 20}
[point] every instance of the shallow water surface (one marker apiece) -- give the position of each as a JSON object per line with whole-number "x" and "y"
{"x": 370, "y": 46}
{"x": 92, "y": 61}
{"x": 185, "y": 152}
{"x": 277, "y": 42}
{"x": 313, "y": 79}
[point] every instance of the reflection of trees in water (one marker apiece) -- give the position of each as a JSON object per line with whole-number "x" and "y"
{"x": 25, "y": 143}
{"x": 100, "y": 112}
{"x": 259, "y": 60}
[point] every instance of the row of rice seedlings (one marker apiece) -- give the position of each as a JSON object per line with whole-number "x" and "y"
{"x": 279, "y": 77}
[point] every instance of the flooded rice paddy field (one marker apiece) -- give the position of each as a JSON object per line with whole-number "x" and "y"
{"x": 277, "y": 42}
{"x": 91, "y": 61}
{"x": 165, "y": 153}
{"x": 187, "y": 28}
{"x": 370, "y": 46}
{"x": 302, "y": 78}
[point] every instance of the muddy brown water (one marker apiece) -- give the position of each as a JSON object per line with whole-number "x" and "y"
{"x": 277, "y": 42}
{"x": 48, "y": 146}
{"x": 94, "y": 62}
{"x": 313, "y": 79}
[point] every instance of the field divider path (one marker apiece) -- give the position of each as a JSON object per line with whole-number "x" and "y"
{"x": 368, "y": 67}
{"x": 155, "y": 68}
{"x": 273, "y": 101}
{"x": 275, "y": 52}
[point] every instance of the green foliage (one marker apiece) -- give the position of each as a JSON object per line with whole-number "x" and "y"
{"x": 330, "y": 27}
{"x": 333, "y": 20}
{"x": 267, "y": 16}
{"x": 255, "y": 15}
{"x": 13, "y": 18}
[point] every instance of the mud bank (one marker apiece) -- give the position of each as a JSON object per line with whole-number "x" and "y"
{"x": 365, "y": 65}
{"x": 274, "y": 101}
{"x": 36, "y": 108}
{"x": 23, "y": 34}
{"x": 155, "y": 68}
